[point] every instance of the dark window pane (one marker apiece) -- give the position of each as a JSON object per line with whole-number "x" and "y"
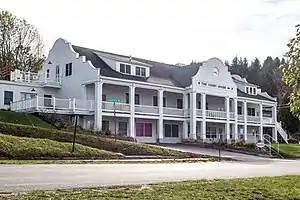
{"x": 239, "y": 110}
{"x": 155, "y": 101}
{"x": 174, "y": 130}
{"x": 148, "y": 129}
{"x": 122, "y": 128}
{"x": 167, "y": 130}
{"x": 127, "y": 97}
{"x": 137, "y": 71}
{"x": 139, "y": 129}
{"x": 103, "y": 97}
{"x": 122, "y": 68}
{"x": 8, "y": 97}
{"x": 137, "y": 99}
{"x": 67, "y": 70}
{"x": 70, "y": 70}
{"x": 143, "y": 72}
{"x": 105, "y": 126}
{"x": 199, "y": 104}
{"x": 164, "y": 102}
{"x": 179, "y": 103}
{"x": 206, "y": 106}
{"x": 128, "y": 71}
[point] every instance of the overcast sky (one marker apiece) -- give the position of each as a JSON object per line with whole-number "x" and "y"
{"x": 169, "y": 31}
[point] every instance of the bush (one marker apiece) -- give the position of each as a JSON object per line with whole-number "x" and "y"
{"x": 31, "y": 148}
{"x": 293, "y": 141}
{"x": 124, "y": 147}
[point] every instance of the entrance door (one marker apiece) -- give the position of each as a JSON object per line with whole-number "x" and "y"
{"x": 47, "y": 100}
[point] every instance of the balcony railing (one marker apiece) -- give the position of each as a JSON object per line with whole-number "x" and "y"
{"x": 199, "y": 112}
{"x": 144, "y": 109}
{"x": 231, "y": 115}
{"x": 216, "y": 114}
{"x": 119, "y": 107}
{"x": 174, "y": 112}
{"x": 52, "y": 104}
{"x": 268, "y": 120}
{"x": 254, "y": 119}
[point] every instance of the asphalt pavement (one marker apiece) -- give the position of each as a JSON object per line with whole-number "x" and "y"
{"x": 18, "y": 178}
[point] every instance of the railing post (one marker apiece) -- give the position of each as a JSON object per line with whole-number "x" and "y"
{"x": 37, "y": 102}
{"x": 74, "y": 104}
{"x": 54, "y": 103}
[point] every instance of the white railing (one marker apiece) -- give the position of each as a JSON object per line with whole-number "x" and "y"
{"x": 31, "y": 77}
{"x": 174, "y": 111}
{"x": 216, "y": 114}
{"x": 254, "y": 119}
{"x": 231, "y": 115}
{"x": 53, "y": 104}
{"x": 119, "y": 107}
{"x": 144, "y": 109}
{"x": 199, "y": 112}
{"x": 240, "y": 117}
{"x": 281, "y": 132}
{"x": 268, "y": 120}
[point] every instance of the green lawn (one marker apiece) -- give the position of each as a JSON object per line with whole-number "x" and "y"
{"x": 33, "y": 148}
{"x": 22, "y": 118}
{"x": 285, "y": 187}
{"x": 289, "y": 150}
{"x": 119, "y": 146}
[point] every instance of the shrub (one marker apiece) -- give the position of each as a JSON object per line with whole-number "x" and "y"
{"x": 293, "y": 141}
{"x": 124, "y": 147}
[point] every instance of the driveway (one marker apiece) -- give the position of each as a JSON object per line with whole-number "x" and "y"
{"x": 215, "y": 152}
{"x": 18, "y": 178}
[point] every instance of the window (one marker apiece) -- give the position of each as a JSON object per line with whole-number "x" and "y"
{"x": 27, "y": 95}
{"x": 143, "y": 129}
{"x": 164, "y": 102}
{"x": 239, "y": 110}
{"x": 155, "y": 103}
{"x": 122, "y": 128}
{"x": 8, "y": 97}
{"x": 136, "y": 98}
{"x": 140, "y": 71}
{"x": 69, "y": 69}
{"x": 247, "y": 90}
{"x": 251, "y": 90}
{"x": 254, "y": 91}
{"x": 105, "y": 126}
{"x": 171, "y": 130}
{"x": 48, "y": 73}
{"x": 206, "y": 106}
{"x": 211, "y": 132}
{"x": 199, "y": 105}
{"x": 122, "y": 68}
{"x": 104, "y": 97}
{"x": 128, "y": 69}
{"x": 251, "y": 111}
{"x": 179, "y": 103}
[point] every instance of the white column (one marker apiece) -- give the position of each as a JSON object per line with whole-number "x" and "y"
{"x": 261, "y": 122}
{"x": 228, "y": 118}
{"x": 132, "y": 106}
{"x": 83, "y": 92}
{"x": 236, "y": 133}
{"x": 185, "y": 123}
{"x": 245, "y": 120}
{"x": 98, "y": 106}
{"x": 203, "y": 105}
{"x": 161, "y": 114}
{"x": 193, "y": 117}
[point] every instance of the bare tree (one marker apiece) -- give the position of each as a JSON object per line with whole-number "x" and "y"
{"x": 21, "y": 46}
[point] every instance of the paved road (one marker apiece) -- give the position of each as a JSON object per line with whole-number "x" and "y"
{"x": 17, "y": 178}
{"x": 215, "y": 152}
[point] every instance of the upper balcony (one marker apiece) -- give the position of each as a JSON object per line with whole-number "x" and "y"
{"x": 41, "y": 78}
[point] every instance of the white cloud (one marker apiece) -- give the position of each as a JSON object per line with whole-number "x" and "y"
{"x": 169, "y": 31}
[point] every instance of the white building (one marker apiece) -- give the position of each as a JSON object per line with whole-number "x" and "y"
{"x": 158, "y": 101}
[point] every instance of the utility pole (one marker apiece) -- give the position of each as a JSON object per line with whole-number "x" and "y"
{"x": 75, "y": 128}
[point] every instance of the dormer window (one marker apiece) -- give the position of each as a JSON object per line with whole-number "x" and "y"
{"x": 125, "y": 68}
{"x": 247, "y": 90}
{"x": 254, "y": 91}
{"x": 251, "y": 90}
{"x": 140, "y": 71}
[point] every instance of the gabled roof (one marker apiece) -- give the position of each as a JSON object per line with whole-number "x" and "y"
{"x": 163, "y": 73}
{"x": 237, "y": 79}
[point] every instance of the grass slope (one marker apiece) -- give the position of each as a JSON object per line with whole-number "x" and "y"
{"x": 33, "y": 148}
{"x": 119, "y": 146}
{"x": 285, "y": 187}
{"x": 22, "y": 118}
{"x": 288, "y": 150}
